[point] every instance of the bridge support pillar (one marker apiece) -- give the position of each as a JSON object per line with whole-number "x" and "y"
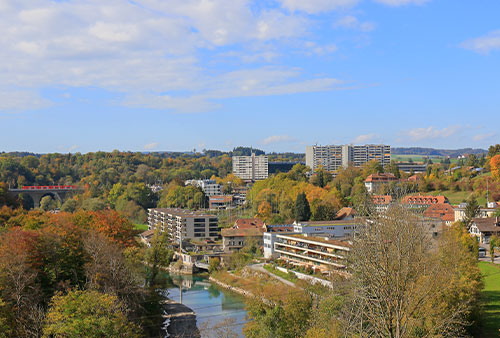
{"x": 36, "y": 200}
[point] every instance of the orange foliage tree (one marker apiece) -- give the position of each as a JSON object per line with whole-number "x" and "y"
{"x": 495, "y": 166}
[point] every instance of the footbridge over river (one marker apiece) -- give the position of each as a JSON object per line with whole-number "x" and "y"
{"x": 37, "y": 192}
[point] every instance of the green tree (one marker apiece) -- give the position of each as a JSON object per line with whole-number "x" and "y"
{"x": 69, "y": 205}
{"x": 93, "y": 204}
{"x": 494, "y": 242}
{"x": 158, "y": 254}
{"x": 48, "y": 203}
{"x": 324, "y": 212}
{"x": 87, "y": 314}
{"x": 302, "y": 208}
{"x": 471, "y": 211}
{"x": 394, "y": 169}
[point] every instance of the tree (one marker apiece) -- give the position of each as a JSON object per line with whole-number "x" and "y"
{"x": 88, "y": 314}
{"x": 302, "y": 209}
{"x": 93, "y": 204}
{"x": 495, "y": 166}
{"x": 158, "y": 254}
{"x": 402, "y": 287}
{"x": 324, "y": 212}
{"x": 69, "y": 205}
{"x": 48, "y": 203}
{"x": 472, "y": 209}
{"x": 394, "y": 169}
{"x": 494, "y": 242}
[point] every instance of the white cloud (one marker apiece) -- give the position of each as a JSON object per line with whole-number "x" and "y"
{"x": 148, "y": 48}
{"x": 396, "y": 3}
{"x": 418, "y": 134}
{"x": 482, "y": 137}
{"x": 316, "y": 6}
{"x": 351, "y": 22}
{"x": 16, "y": 101}
{"x": 277, "y": 139}
{"x": 151, "y": 146}
{"x": 483, "y": 44}
{"x": 365, "y": 138}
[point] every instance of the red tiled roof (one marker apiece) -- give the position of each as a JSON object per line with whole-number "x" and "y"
{"x": 382, "y": 177}
{"x": 246, "y": 223}
{"x": 443, "y": 211}
{"x": 249, "y": 232}
{"x": 424, "y": 200}
{"x": 382, "y": 199}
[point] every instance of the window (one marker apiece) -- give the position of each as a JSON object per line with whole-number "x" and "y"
{"x": 199, "y": 230}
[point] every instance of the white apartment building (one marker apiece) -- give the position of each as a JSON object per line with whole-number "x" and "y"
{"x": 184, "y": 224}
{"x": 332, "y": 157}
{"x": 251, "y": 168}
{"x": 209, "y": 187}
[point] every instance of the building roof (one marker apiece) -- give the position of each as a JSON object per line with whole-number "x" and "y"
{"x": 382, "y": 199}
{"x": 443, "y": 211}
{"x": 324, "y": 240}
{"x": 424, "y": 200}
{"x": 382, "y": 177}
{"x": 248, "y": 232}
{"x": 490, "y": 224}
{"x": 345, "y": 212}
{"x": 221, "y": 198}
{"x": 279, "y": 227}
{"x": 329, "y": 223}
{"x": 246, "y": 223}
{"x": 414, "y": 178}
{"x": 147, "y": 234}
{"x": 183, "y": 212}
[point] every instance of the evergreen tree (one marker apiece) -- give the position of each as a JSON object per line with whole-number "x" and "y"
{"x": 302, "y": 208}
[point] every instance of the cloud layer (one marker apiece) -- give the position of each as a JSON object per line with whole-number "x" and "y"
{"x": 483, "y": 44}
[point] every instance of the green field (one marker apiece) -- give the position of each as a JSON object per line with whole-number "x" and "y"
{"x": 141, "y": 227}
{"x": 457, "y": 197}
{"x": 491, "y": 300}
{"x": 420, "y": 158}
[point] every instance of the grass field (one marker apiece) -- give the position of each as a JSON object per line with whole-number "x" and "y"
{"x": 141, "y": 227}
{"x": 457, "y": 197}
{"x": 491, "y": 299}
{"x": 420, "y": 158}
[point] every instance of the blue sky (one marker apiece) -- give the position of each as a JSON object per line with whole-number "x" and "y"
{"x": 79, "y": 76}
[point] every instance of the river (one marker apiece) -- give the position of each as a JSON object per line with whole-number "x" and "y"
{"x": 211, "y": 303}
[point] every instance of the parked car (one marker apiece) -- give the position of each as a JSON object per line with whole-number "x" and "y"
{"x": 482, "y": 252}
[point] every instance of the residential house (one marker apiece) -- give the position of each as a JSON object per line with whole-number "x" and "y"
{"x": 220, "y": 202}
{"x": 374, "y": 182}
{"x": 443, "y": 211}
{"x": 484, "y": 228}
{"x": 235, "y": 239}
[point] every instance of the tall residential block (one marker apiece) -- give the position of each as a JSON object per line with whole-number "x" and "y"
{"x": 251, "y": 168}
{"x": 332, "y": 157}
{"x": 184, "y": 224}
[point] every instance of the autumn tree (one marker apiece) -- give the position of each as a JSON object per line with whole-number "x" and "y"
{"x": 88, "y": 314}
{"x": 400, "y": 279}
{"x": 495, "y": 166}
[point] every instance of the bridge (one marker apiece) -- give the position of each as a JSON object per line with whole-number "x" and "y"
{"x": 37, "y": 192}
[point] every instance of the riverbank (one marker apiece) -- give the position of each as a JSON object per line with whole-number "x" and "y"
{"x": 181, "y": 320}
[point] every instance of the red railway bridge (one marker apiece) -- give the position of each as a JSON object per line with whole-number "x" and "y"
{"x": 37, "y": 192}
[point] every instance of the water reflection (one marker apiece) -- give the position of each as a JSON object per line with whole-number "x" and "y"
{"x": 211, "y": 304}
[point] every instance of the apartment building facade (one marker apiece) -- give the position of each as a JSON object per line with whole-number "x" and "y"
{"x": 333, "y": 157}
{"x": 184, "y": 224}
{"x": 317, "y": 252}
{"x": 209, "y": 187}
{"x": 251, "y": 168}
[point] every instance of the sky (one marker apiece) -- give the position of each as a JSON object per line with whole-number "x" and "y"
{"x": 278, "y": 75}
